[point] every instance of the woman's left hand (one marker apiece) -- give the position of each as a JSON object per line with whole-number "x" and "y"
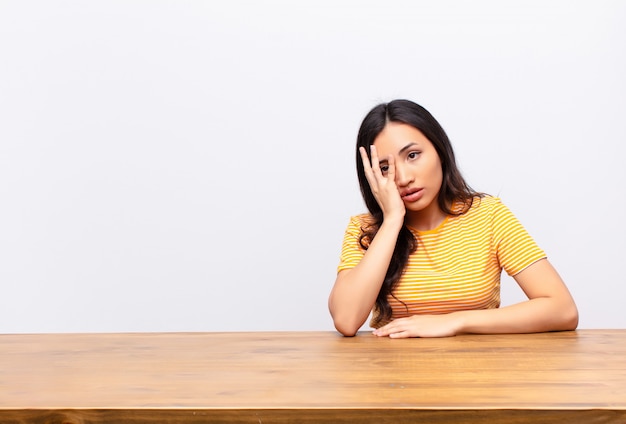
{"x": 421, "y": 326}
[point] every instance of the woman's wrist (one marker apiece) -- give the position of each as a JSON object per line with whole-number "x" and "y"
{"x": 460, "y": 322}
{"x": 393, "y": 222}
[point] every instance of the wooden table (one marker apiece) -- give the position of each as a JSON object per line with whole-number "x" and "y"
{"x": 312, "y": 377}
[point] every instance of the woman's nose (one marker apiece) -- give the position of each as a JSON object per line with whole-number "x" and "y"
{"x": 403, "y": 176}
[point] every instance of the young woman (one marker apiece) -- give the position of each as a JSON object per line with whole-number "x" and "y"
{"x": 426, "y": 260}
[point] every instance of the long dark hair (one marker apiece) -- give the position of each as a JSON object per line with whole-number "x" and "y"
{"x": 454, "y": 190}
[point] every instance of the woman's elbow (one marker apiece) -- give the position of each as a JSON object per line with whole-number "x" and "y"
{"x": 347, "y": 323}
{"x": 346, "y": 327}
{"x": 346, "y": 332}
{"x": 572, "y": 318}
{"x": 569, "y": 318}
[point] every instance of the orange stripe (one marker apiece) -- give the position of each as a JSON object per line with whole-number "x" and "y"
{"x": 459, "y": 265}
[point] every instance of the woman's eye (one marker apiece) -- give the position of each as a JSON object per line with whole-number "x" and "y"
{"x": 384, "y": 168}
{"x": 413, "y": 155}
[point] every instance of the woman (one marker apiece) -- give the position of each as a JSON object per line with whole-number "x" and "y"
{"x": 427, "y": 259}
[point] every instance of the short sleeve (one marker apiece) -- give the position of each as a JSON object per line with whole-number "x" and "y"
{"x": 515, "y": 248}
{"x": 351, "y": 250}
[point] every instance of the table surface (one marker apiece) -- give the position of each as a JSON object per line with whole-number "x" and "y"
{"x": 313, "y": 371}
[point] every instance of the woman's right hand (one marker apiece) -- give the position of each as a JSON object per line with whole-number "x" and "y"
{"x": 383, "y": 187}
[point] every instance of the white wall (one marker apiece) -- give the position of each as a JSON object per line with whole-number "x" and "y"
{"x": 188, "y": 165}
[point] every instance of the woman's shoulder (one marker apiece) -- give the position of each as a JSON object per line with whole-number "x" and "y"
{"x": 482, "y": 207}
{"x": 364, "y": 220}
{"x": 486, "y": 203}
{"x": 488, "y": 208}
{"x": 359, "y": 225}
{"x": 487, "y": 200}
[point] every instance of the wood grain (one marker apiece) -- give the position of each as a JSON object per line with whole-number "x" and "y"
{"x": 314, "y": 376}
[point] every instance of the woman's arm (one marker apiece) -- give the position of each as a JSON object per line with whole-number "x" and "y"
{"x": 355, "y": 290}
{"x": 549, "y": 307}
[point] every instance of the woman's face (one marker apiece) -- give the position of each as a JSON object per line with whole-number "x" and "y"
{"x": 418, "y": 168}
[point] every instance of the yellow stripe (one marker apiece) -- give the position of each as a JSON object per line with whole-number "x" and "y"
{"x": 458, "y": 266}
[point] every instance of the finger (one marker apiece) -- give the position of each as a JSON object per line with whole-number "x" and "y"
{"x": 367, "y": 167}
{"x": 391, "y": 172}
{"x": 378, "y": 332}
{"x": 393, "y": 332}
{"x": 400, "y": 335}
{"x": 367, "y": 170}
{"x": 365, "y": 159}
{"x": 385, "y": 330}
{"x": 375, "y": 162}
{"x": 399, "y": 328}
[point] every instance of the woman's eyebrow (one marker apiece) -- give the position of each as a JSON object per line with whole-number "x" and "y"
{"x": 407, "y": 147}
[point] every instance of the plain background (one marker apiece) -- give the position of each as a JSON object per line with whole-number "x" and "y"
{"x": 189, "y": 165}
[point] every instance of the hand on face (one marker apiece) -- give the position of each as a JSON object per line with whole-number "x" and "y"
{"x": 383, "y": 187}
{"x": 445, "y": 325}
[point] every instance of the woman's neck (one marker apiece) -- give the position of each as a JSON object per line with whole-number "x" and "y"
{"x": 425, "y": 219}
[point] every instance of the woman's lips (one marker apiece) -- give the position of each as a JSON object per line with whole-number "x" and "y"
{"x": 412, "y": 195}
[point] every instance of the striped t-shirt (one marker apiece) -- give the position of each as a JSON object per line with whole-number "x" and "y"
{"x": 457, "y": 265}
